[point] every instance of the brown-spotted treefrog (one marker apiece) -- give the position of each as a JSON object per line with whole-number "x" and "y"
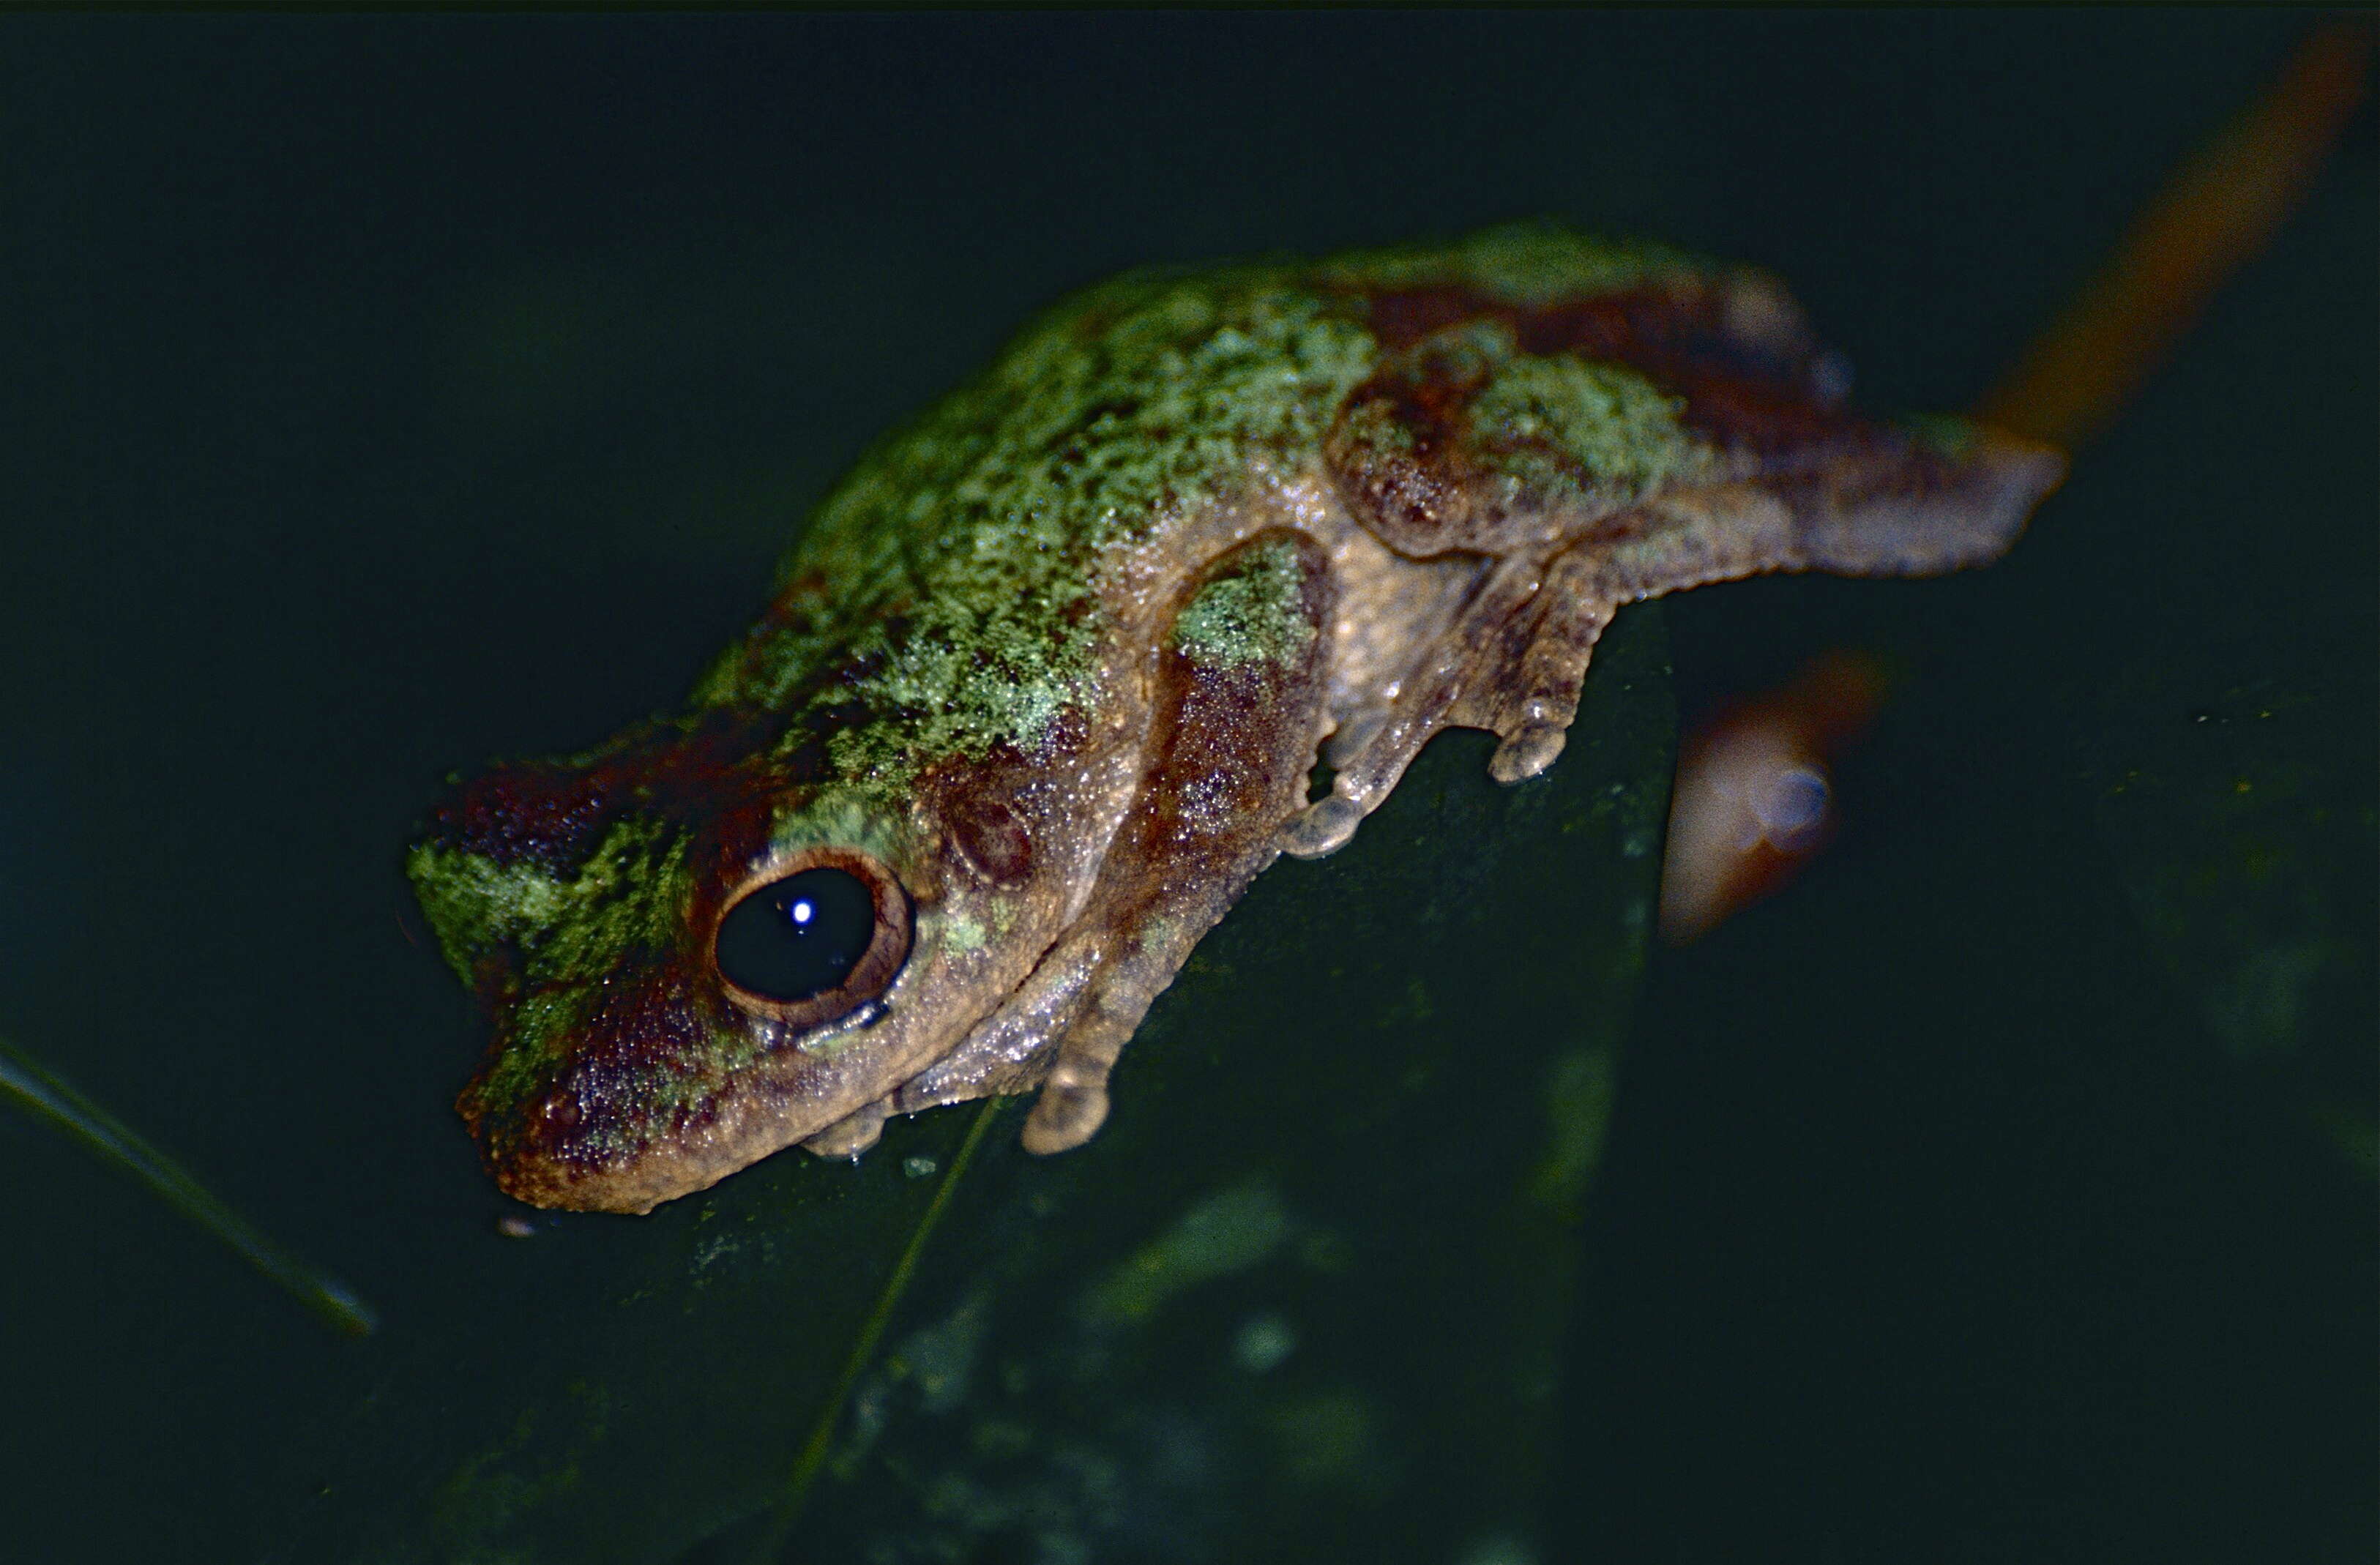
{"x": 1044, "y": 680}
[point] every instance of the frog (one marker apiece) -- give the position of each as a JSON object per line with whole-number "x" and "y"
{"x": 1181, "y": 584}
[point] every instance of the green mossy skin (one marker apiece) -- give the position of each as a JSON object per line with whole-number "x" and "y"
{"x": 960, "y": 564}
{"x": 956, "y": 571}
{"x": 1559, "y": 423}
{"x": 545, "y": 946}
{"x": 1254, "y": 615}
{"x": 627, "y": 894}
{"x": 961, "y": 933}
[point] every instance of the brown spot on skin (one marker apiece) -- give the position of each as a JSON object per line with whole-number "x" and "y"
{"x": 1693, "y": 334}
{"x": 1223, "y": 751}
{"x": 1399, "y": 460}
{"x": 1753, "y": 377}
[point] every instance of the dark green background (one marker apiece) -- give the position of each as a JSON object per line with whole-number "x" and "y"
{"x": 384, "y": 394}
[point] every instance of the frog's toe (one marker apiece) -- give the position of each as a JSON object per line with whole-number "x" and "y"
{"x": 853, "y": 1134}
{"x": 1528, "y": 750}
{"x": 1322, "y": 827}
{"x": 1065, "y": 1115}
{"x": 1531, "y": 700}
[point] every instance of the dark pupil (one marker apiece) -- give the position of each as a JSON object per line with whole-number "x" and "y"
{"x": 799, "y": 936}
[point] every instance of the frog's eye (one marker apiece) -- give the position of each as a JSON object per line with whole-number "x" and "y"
{"x": 812, "y": 945}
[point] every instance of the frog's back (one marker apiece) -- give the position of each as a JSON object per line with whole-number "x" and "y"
{"x": 960, "y": 565}
{"x": 1105, "y": 419}
{"x": 1140, "y": 398}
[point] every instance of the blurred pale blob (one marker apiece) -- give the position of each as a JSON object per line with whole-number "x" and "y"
{"x": 1752, "y": 796}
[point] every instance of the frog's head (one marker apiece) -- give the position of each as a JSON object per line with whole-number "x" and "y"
{"x": 697, "y": 945}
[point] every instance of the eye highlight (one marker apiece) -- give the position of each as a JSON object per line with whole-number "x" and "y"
{"x": 815, "y": 944}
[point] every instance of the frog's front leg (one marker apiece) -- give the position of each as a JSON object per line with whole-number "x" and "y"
{"x": 1237, "y": 714}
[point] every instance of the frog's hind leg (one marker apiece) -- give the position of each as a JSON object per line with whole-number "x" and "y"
{"x": 1240, "y": 695}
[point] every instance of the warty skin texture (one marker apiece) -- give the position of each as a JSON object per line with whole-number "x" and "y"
{"x": 1050, "y": 667}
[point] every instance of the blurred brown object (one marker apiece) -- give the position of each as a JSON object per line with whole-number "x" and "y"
{"x": 1753, "y": 794}
{"x": 2218, "y": 209}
